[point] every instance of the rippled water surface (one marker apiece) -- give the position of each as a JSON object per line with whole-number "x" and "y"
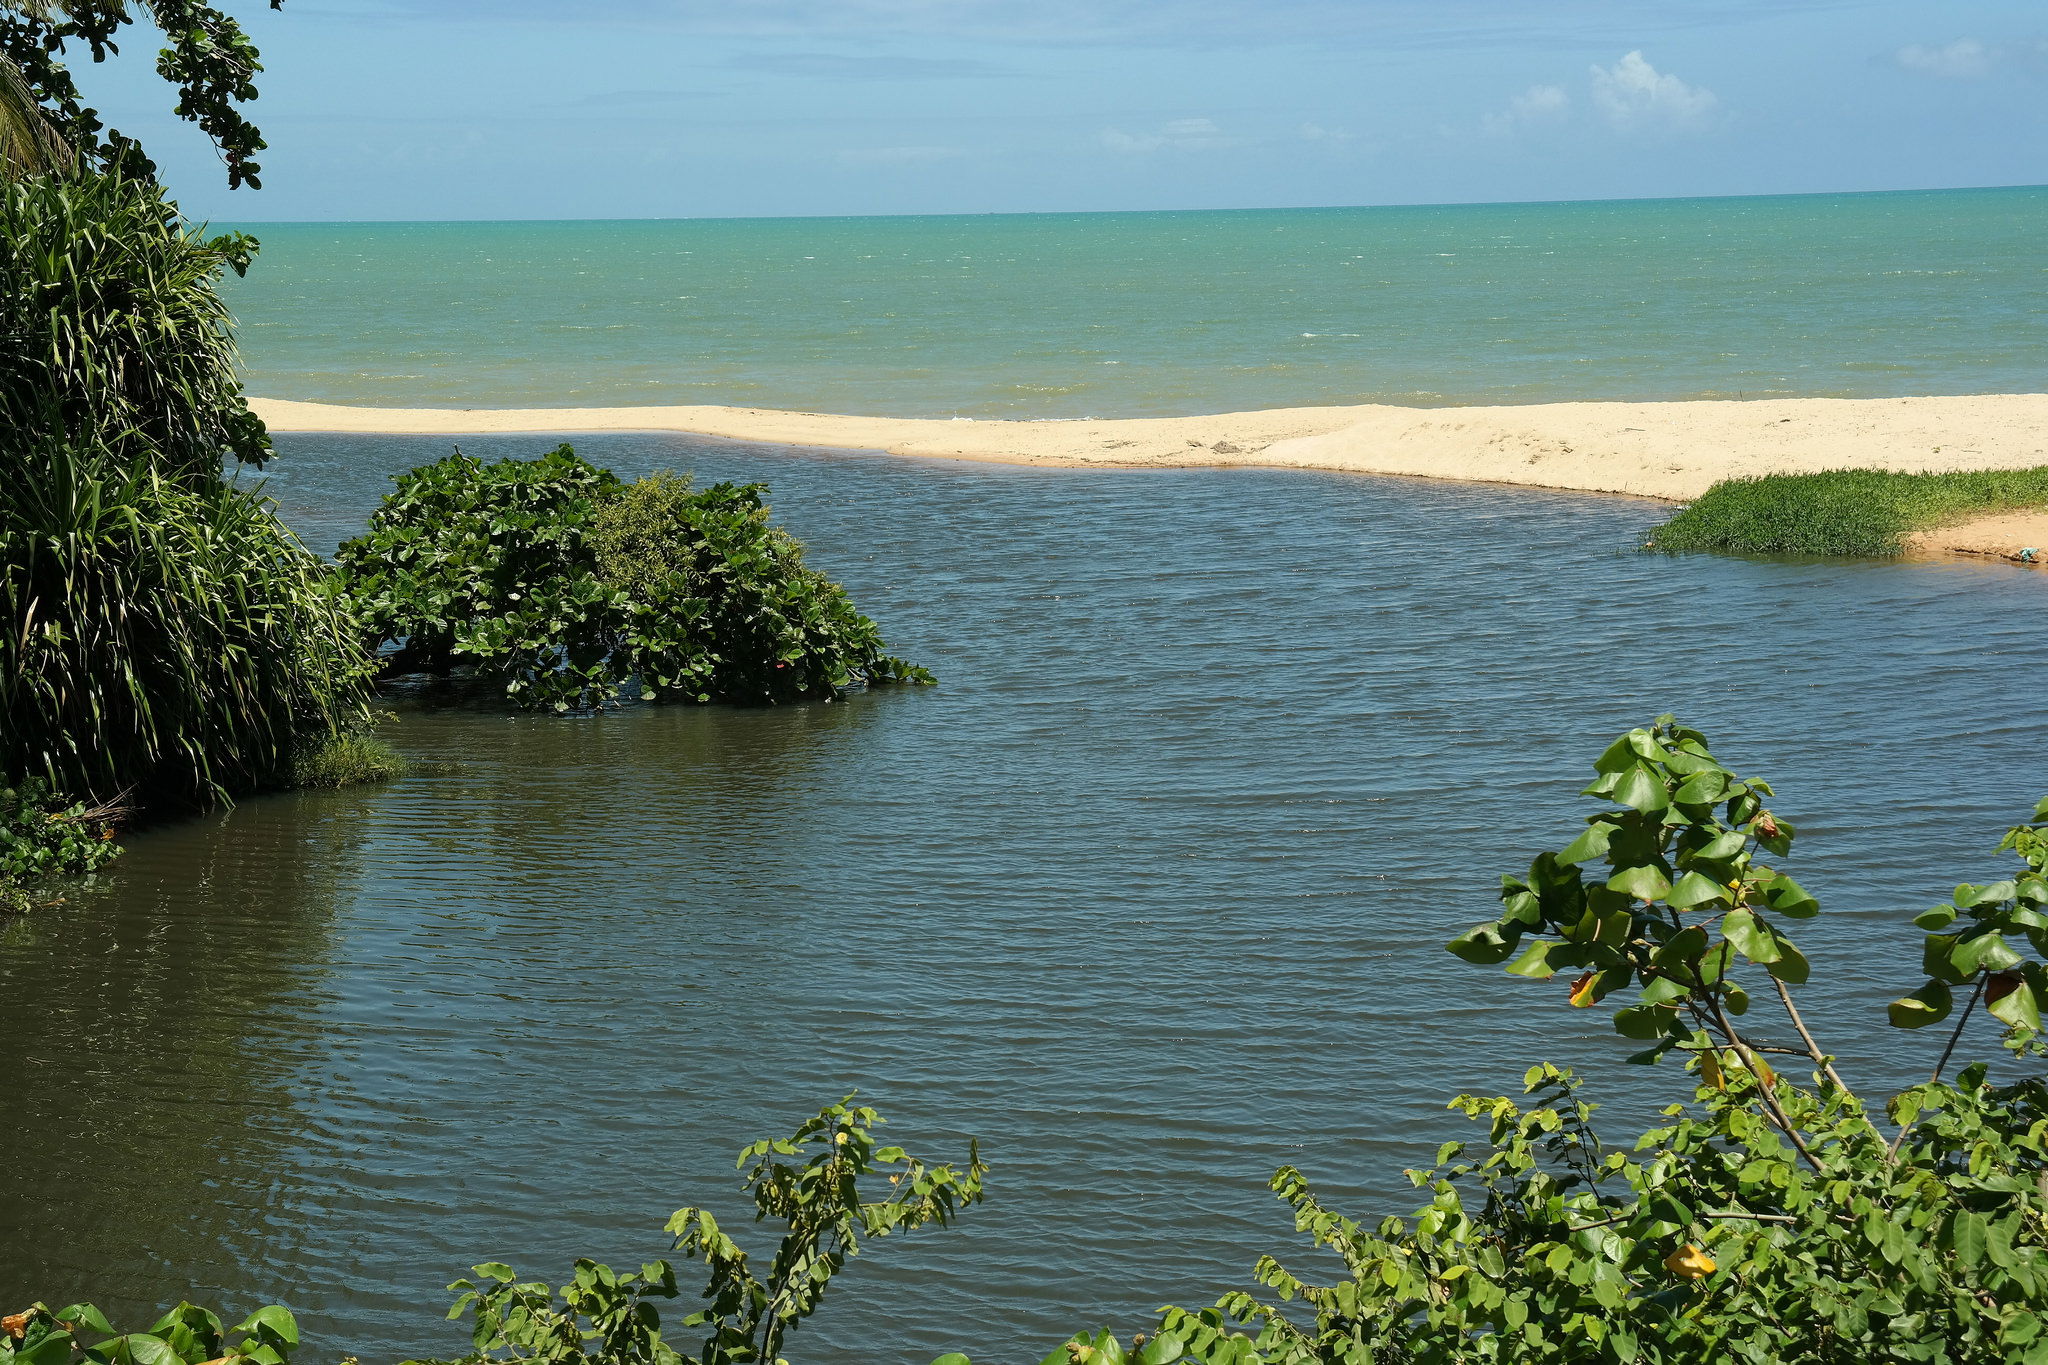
{"x": 1149, "y": 896}
{"x": 1144, "y": 314}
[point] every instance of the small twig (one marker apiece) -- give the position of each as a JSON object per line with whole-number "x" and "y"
{"x": 1957, "y": 1036}
{"x": 1820, "y": 1059}
{"x": 1764, "y": 1089}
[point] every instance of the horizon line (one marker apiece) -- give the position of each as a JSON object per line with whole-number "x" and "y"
{"x": 1107, "y": 213}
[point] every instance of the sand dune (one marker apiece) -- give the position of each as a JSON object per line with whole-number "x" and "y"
{"x": 1657, "y": 450}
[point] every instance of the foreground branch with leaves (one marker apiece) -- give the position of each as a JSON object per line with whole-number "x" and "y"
{"x": 1772, "y": 1219}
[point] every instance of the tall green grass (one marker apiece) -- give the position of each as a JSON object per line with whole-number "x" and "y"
{"x": 1849, "y": 512}
{"x": 164, "y": 639}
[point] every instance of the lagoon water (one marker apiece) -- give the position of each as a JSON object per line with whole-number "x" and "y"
{"x": 1149, "y": 895}
{"x": 1161, "y": 314}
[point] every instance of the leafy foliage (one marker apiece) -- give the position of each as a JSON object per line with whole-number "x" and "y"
{"x": 113, "y": 337}
{"x": 565, "y": 585}
{"x": 44, "y": 122}
{"x": 41, "y": 835}
{"x": 162, "y": 645}
{"x": 346, "y": 760}
{"x": 810, "y": 1183}
{"x": 1770, "y": 1220}
{"x": 162, "y": 636}
{"x": 1864, "y": 512}
{"x": 187, "y": 1335}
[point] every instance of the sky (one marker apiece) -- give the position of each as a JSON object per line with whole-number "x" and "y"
{"x": 509, "y": 109}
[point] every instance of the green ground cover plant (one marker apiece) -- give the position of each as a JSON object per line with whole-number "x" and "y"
{"x": 1850, "y": 512}
{"x": 42, "y": 836}
{"x": 569, "y": 588}
{"x": 187, "y": 1335}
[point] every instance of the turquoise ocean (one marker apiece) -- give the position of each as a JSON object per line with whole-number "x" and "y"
{"x": 1154, "y": 314}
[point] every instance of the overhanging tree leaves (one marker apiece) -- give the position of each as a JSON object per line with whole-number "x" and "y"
{"x": 44, "y": 121}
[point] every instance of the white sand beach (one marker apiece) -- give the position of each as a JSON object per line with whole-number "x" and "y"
{"x": 1671, "y": 450}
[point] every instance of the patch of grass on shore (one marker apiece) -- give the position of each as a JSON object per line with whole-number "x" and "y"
{"x": 1851, "y": 512}
{"x": 347, "y": 760}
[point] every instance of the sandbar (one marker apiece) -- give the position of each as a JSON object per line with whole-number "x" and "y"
{"x": 1668, "y": 450}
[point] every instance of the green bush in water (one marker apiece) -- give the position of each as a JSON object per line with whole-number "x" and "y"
{"x": 1854, "y": 512}
{"x": 565, "y": 585}
{"x": 187, "y": 1335}
{"x": 1774, "y": 1215}
{"x": 43, "y": 836}
{"x": 347, "y": 760}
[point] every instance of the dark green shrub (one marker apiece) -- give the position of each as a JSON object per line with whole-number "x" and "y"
{"x": 164, "y": 640}
{"x": 564, "y": 585}
{"x": 1857, "y": 512}
{"x": 161, "y": 645}
{"x": 114, "y": 340}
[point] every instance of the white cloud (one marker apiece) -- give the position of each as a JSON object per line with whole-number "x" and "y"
{"x": 1965, "y": 59}
{"x": 897, "y": 156}
{"x": 1537, "y": 104}
{"x": 1184, "y": 134}
{"x": 1634, "y": 94}
{"x": 1315, "y": 132}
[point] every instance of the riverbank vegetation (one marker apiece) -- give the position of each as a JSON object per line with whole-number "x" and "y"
{"x": 1850, "y": 512}
{"x": 568, "y": 587}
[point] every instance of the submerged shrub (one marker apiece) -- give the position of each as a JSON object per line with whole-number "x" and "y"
{"x": 43, "y": 836}
{"x": 1861, "y": 512}
{"x": 346, "y": 760}
{"x": 564, "y": 585}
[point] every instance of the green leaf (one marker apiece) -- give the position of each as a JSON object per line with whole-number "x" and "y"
{"x": 1940, "y": 917}
{"x": 1535, "y": 959}
{"x": 1588, "y": 846}
{"x": 1642, "y": 790}
{"x": 1645, "y": 883}
{"x": 1484, "y": 944}
{"x": 1695, "y": 888}
{"x": 1750, "y": 937}
{"x": 1967, "y": 1239}
{"x": 1644, "y": 1022}
{"x": 2018, "y": 1008}
{"x": 148, "y": 1350}
{"x": 275, "y": 1321}
{"x": 955, "y": 1358}
{"x": 1928, "y": 1005}
{"x": 1984, "y": 952}
{"x": 1788, "y": 897}
{"x": 1791, "y": 966}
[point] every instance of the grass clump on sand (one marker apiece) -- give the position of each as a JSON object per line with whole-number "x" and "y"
{"x": 1864, "y": 512}
{"x": 345, "y": 761}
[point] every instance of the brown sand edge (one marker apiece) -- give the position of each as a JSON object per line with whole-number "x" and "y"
{"x": 1667, "y": 450}
{"x": 2016, "y": 537}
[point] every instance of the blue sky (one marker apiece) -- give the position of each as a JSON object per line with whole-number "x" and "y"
{"x": 438, "y": 109}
